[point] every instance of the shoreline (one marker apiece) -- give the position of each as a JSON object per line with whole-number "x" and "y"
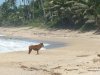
{"x": 52, "y": 44}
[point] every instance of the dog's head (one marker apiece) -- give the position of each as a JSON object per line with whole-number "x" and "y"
{"x": 42, "y": 44}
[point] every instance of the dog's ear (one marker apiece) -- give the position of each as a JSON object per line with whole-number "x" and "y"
{"x": 41, "y": 43}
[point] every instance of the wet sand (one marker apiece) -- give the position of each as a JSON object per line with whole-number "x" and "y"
{"x": 80, "y": 56}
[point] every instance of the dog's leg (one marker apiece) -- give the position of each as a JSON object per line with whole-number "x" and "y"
{"x": 37, "y": 51}
{"x": 29, "y": 51}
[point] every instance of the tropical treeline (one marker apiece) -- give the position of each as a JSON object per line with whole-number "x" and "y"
{"x": 74, "y": 14}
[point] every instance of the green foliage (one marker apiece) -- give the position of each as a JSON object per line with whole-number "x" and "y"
{"x": 88, "y": 26}
{"x": 53, "y": 13}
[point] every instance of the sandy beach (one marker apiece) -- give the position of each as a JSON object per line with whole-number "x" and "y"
{"x": 80, "y": 55}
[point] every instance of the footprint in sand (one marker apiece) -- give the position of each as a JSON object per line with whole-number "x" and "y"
{"x": 71, "y": 69}
{"x": 58, "y": 67}
{"x": 93, "y": 69}
{"x": 23, "y": 67}
{"x": 96, "y": 60}
{"x": 83, "y": 55}
{"x": 98, "y": 55}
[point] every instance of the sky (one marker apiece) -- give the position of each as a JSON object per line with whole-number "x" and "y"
{"x": 18, "y": 2}
{"x": 1, "y": 1}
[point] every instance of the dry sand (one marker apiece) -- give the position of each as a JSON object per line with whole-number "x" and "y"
{"x": 78, "y": 57}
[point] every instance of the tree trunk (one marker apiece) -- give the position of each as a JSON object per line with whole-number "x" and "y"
{"x": 44, "y": 14}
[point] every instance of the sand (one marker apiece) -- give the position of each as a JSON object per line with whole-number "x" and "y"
{"x": 80, "y": 56}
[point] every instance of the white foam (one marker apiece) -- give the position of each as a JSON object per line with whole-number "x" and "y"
{"x": 2, "y": 35}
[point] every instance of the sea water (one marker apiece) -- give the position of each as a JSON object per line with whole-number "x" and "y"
{"x": 10, "y": 45}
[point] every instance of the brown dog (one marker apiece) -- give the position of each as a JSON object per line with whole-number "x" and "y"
{"x": 35, "y": 48}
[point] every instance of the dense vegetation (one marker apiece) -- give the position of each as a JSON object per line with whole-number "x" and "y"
{"x": 74, "y": 14}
